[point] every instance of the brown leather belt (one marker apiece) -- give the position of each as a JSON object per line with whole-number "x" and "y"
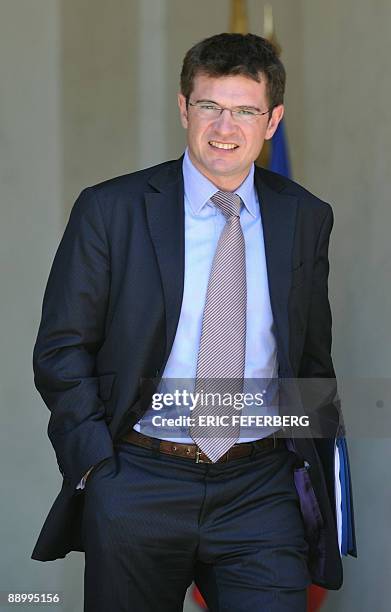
{"x": 193, "y": 452}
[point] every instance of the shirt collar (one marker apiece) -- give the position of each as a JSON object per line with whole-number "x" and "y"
{"x": 199, "y": 189}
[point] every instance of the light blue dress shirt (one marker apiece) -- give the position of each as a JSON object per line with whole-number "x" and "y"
{"x": 203, "y": 225}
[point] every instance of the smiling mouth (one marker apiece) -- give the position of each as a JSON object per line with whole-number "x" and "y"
{"x": 227, "y": 146}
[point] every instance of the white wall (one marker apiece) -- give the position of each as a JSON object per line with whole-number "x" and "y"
{"x": 100, "y": 104}
{"x": 31, "y": 220}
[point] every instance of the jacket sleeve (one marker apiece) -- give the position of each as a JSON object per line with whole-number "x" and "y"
{"x": 70, "y": 335}
{"x": 316, "y": 362}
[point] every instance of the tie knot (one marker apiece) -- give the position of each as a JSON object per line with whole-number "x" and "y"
{"x": 228, "y": 202}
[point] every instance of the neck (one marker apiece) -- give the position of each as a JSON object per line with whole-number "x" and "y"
{"x": 230, "y": 184}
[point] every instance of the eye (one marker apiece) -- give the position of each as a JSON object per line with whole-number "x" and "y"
{"x": 243, "y": 112}
{"x": 208, "y": 107}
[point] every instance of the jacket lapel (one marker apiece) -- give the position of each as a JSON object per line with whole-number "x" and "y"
{"x": 165, "y": 216}
{"x": 278, "y": 212}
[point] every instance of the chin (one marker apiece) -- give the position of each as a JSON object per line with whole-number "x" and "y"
{"x": 225, "y": 170}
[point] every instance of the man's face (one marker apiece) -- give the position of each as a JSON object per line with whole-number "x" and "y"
{"x": 227, "y": 167}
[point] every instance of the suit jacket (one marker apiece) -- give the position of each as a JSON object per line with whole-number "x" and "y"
{"x": 110, "y": 314}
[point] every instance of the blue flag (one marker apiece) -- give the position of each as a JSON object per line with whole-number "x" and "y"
{"x": 279, "y": 156}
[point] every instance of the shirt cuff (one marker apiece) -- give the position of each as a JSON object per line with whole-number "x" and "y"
{"x": 82, "y": 483}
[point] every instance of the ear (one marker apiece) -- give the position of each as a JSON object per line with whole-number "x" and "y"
{"x": 277, "y": 115}
{"x": 182, "y": 110}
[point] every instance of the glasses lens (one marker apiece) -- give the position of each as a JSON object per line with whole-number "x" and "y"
{"x": 244, "y": 116}
{"x": 209, "y": 111}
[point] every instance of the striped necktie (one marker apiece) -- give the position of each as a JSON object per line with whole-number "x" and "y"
{"x": 221, "y": 356}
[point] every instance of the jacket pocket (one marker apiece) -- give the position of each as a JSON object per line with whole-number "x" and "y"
{"x": 297, "y": 276}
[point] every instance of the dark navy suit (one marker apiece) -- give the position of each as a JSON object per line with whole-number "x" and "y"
{"x": 109, "y": 318}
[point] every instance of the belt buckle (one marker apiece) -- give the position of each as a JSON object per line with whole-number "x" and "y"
{"x": 197, "y": 457}
{"x": 226, "y": 457}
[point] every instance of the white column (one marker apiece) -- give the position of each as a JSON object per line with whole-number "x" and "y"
{"x": 152, "y": 82}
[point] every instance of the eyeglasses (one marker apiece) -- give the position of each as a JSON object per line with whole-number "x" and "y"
{"x": 208, "y": 110}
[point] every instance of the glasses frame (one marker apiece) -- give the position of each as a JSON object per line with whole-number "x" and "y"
{"x": 231, "y": 110}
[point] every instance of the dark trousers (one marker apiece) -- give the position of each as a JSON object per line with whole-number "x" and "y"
{"x": 153, "y": 523}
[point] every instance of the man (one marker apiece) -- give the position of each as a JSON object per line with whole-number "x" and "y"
{"x": 205, "y": 269}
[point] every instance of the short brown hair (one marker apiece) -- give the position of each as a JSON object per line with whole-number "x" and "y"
{"x": 230, "y": 54}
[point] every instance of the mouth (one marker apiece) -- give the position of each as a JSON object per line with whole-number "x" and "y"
{"x": 225, "y": 146}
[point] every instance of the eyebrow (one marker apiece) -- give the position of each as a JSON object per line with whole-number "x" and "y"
{"x": 241, "y": 107}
